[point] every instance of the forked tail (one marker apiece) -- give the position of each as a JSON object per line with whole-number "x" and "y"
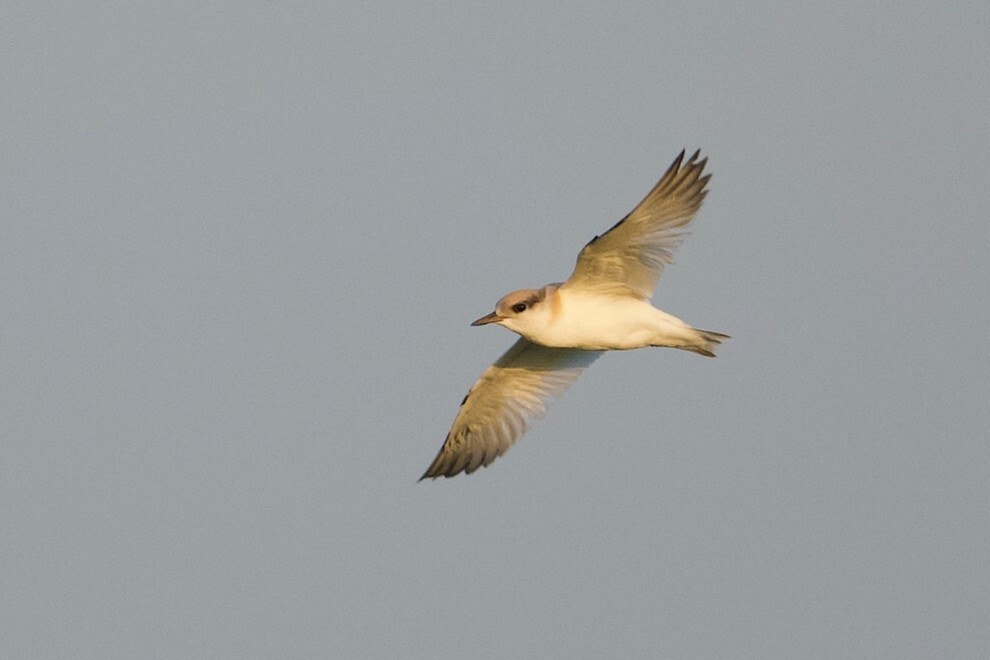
{"x": 705, "y": 343}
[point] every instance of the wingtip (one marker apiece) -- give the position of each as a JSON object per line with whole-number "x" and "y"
{"x": 433, "y": 472}
{"x": 680, "y": 165}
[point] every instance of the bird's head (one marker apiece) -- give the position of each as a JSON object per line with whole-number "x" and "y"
{"x": 521, "y": 311}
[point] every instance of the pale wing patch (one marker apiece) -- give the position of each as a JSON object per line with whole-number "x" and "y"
{"x": 501, "y": 404}
{"x": 629, "y": 258}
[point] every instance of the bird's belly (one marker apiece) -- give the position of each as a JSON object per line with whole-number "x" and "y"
{"x": 603, "y": 325}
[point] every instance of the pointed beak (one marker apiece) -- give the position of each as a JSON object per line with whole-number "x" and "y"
{"x": 491, "y": 318}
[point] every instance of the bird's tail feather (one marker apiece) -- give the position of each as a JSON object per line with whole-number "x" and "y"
{"x": 707, "y": 342}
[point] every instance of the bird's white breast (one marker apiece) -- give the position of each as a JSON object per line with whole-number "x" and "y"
{"x": 592, "y": 321}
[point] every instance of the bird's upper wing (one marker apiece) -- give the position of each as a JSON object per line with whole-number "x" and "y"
{"x": 500, "y": 405}
{"x": 629, "y": 258}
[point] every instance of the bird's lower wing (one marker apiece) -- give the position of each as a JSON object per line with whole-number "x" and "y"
{"x": 629, "y": 258}
{"x": 501, "y": 404}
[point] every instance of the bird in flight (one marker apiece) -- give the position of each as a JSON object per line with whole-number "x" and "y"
{"x": 603, "y": 306}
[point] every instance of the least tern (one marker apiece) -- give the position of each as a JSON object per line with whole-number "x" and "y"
{"x": 604, "y": 305}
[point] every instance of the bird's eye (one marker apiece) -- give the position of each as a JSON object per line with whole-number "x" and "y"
{"x": 519, "y": 308}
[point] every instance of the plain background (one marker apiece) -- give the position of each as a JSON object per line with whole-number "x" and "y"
{"x": 240, "y": 247}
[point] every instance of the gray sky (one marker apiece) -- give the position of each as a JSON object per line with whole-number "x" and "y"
{"x": 241, "y": 246}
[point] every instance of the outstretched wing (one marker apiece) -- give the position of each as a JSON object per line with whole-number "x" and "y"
{"x": 499, "y": 407}
{"x": 629, "y": 258}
